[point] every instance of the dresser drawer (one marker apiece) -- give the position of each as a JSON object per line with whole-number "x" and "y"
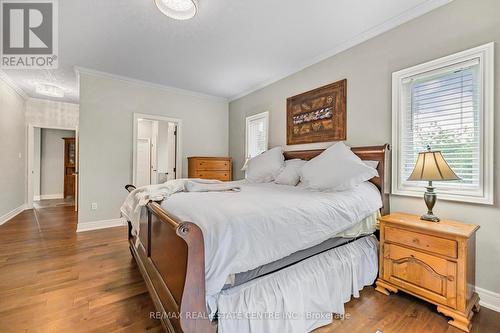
{"x": 208, "y": 174}
{"x": 438, "y": 245}
{"x": 212, "y": 165}
{"x": 422, "y": 274}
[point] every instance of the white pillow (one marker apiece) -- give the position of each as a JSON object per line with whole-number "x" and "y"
{"x": 372, "y": 164}
{"x": 290, "y": 175}
{"x": 265, "y": 167}
{"x": 336, "y": 169}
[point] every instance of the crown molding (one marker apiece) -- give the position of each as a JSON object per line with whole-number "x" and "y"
{"x": 391, "y": 23}
{"x": 179, "y": 91}
{"x": 5, "y": 78}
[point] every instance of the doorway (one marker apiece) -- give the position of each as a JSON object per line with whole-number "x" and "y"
{"x": 52, "y": 167}
{"x": 156, "y": 149}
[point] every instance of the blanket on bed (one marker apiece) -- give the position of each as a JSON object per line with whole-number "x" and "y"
{"x": 138, "y": 198}
{"x": 266, "y": 222}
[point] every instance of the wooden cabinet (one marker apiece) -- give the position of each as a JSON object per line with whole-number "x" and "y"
{"x": 69, "y": 167}
{"x": 433, "y": 261}
{"x": 219, "y": 168}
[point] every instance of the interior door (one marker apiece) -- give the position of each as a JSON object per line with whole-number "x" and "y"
{"x": 172, "y": 151}
{"x": 143, "y": 176}
{"x": 154, "y": 154}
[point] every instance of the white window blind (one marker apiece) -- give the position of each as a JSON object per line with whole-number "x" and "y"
{"x": 443, "y": 111}
{"x": 256, "y": 134}
{"x": 447, "y": 104}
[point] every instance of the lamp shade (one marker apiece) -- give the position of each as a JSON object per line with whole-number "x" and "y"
{"x": 431, "y": 166}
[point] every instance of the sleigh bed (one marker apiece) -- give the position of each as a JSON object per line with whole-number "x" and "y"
{"x": 170, "y": 253}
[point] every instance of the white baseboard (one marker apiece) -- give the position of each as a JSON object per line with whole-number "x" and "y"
{"x": 51, "y": 196}
{"x": 13, "y": 213}
{"x": 489, "y": 299}
{"x": 96, "y": 225}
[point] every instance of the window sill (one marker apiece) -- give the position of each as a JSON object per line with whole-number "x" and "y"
{"x": 486, "y": 200}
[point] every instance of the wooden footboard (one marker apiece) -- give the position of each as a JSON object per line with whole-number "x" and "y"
{"x": 170, "y": 255}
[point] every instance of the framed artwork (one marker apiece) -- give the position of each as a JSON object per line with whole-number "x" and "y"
{"x": 318, "y": 115}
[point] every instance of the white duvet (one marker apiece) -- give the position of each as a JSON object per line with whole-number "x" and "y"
{"x": 266, "y": 222}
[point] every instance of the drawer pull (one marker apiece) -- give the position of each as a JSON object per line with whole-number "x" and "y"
{"x": 416, "y": 241}
{"x": 451, "y": 278}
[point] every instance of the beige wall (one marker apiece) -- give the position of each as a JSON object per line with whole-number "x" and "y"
{"x": 107, "y": 106}
{"x": 12, "y": 150}
{"x": 455, "y": 27}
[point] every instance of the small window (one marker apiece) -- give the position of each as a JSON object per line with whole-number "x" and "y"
{"x": 257, "y": 134}
{"x": 448, "y": 105}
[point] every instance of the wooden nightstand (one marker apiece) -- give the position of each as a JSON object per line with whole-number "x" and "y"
{"x": 432, "y": 261}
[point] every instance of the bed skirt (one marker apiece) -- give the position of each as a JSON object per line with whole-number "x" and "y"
{"x": 302, "y": 297}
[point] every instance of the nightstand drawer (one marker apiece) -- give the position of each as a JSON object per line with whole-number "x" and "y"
{"x": 438, "y": 245}
{"x": 422, "y": 274}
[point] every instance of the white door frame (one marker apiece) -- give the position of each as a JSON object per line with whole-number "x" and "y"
{"x": 178, "y": 122}
{"x": 30, "y": 155}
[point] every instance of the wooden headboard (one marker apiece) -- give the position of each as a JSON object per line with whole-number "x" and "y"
{"x": 381, "y": 154}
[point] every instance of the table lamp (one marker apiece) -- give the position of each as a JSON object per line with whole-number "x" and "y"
{"x": 431, "y": 166}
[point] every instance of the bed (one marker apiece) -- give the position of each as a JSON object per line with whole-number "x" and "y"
{"x": 185, "y": 271}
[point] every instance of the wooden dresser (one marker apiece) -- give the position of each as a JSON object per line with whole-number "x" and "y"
{"x": 433, "y": 261}
{"x": 210, "y": 168}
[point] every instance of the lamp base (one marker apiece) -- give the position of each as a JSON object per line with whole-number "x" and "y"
{"x": 430, "y": 199}
{"x": 430, "y": 217}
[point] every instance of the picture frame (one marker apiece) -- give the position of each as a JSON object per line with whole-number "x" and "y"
{"x": 318, "y": 115}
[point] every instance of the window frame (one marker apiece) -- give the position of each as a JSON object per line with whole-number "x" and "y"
{"x": 264, "y": 115}
{"x": 485, "y": 194}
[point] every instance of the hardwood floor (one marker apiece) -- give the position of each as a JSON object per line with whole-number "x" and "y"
{"x": 54, "y": 280}
{"x": 399, "y": 313}
{"x": 46, "y": 203}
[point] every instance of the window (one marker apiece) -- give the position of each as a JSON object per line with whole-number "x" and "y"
{"x": 448, "y": 105}
{"x": 257, "y": 134}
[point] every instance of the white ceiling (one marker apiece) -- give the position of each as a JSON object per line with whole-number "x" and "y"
{"x": 229, "y": 49}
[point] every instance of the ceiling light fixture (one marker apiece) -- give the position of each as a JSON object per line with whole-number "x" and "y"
{"x": 178, "y": 9}
{"x": 50, "y": 90}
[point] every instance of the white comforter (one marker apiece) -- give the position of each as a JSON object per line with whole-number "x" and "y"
{"x": 266, "y": 222}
